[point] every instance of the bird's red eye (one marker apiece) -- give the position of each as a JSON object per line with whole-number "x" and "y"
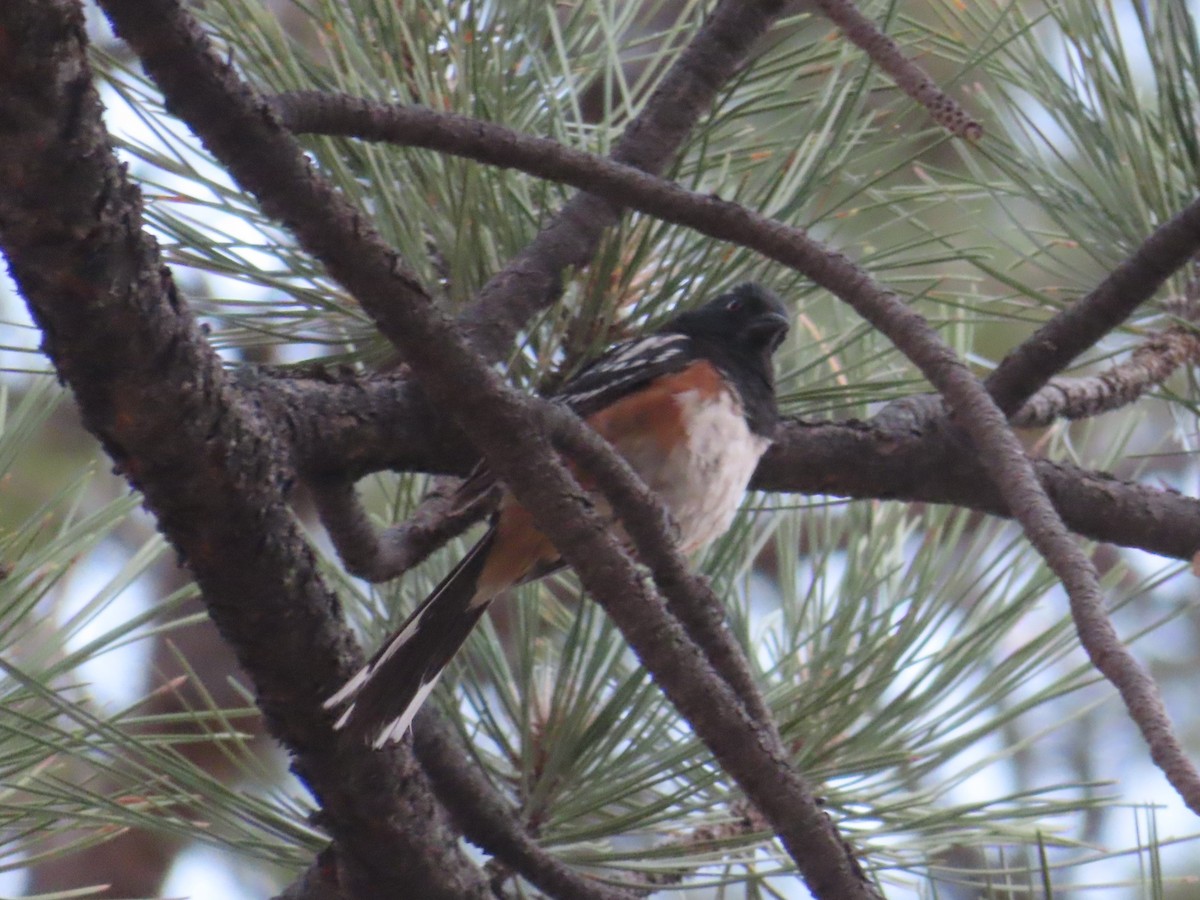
{"x": 733, "y": 305}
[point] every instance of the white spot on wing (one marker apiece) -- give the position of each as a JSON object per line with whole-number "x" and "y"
{"x": 627, "y": 362}
{"x": 623, "y": 354}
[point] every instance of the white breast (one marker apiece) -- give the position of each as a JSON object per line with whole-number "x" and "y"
{"x": 702, "y": 483}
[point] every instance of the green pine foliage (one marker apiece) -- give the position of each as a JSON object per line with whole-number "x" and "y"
{"x": 920, "y": 661}
{"x": 75, "y": 771}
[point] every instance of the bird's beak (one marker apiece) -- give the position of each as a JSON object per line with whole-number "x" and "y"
{"x": 770, "y": 328}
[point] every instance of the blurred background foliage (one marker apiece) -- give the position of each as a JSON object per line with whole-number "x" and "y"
{"x": 920, "y": 660}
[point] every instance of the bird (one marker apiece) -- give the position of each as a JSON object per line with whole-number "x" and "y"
{"x": 690, "y": 406}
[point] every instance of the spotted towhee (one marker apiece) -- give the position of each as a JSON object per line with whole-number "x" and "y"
{"x": 691, "y": 407}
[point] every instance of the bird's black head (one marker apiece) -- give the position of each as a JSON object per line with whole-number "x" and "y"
{"x": 740, "y": 331}
{"x": 748, "y": 320}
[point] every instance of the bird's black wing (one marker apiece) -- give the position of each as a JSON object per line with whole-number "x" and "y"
{"x": 625, "y": 367}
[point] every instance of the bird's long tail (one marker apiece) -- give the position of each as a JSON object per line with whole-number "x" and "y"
{"x": 385, "y": 695}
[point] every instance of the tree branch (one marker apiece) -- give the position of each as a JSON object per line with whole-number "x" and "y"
{"x": 374, "y": 426}
{"x": 155, "y": 394}
{"x": 933, "y": 465}
{"x": 1151, "y": 363}
{"x": 339, "y": 427}
{"x": 1052, "y": 347}
{"x": 379, "y": 556}
{"x": 491, "y": 823}
{"x": 909, "y": 77}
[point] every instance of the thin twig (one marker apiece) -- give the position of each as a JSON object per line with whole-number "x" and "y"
{"x": 1152, "y": 363}
{"x": 380, "y": 555}
{"x": 1051, "y": 348}
{"x": 744, "y": 820}
{"x": 490, "y": 822}
{"x": 909, "y": 77}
